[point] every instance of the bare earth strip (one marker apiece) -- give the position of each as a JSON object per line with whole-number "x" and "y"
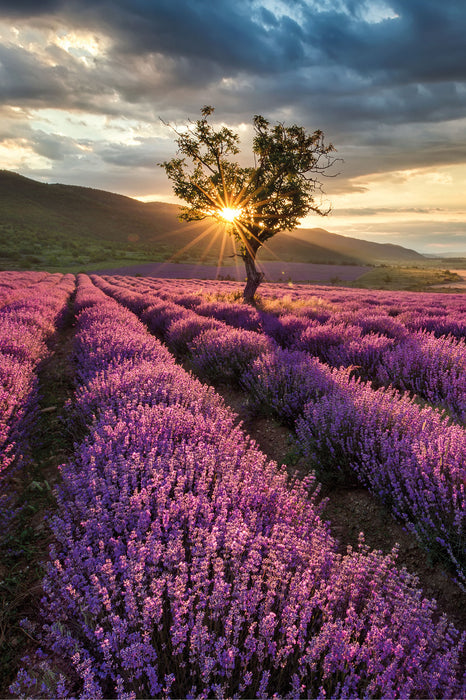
{"x": 353, "y": 510}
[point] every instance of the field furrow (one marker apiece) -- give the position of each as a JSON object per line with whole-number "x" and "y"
{"x": 183, "y": 562}
{"x": 411, "y": 457}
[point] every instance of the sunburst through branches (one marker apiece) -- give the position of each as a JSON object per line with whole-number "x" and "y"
{"x": 229, "y": 214}
{"x": 252, "y": 203}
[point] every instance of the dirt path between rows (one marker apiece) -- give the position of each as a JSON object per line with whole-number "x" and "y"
{"x": 351, "y": 511}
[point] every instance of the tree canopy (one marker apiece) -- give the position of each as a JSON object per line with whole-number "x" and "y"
{"x": 254, "y": 202}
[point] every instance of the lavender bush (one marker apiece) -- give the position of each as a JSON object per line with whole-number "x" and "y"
{"x": 411, "y": 457}
{"x": 225, "y": 355}
{"x": 27, "y": 321}
{"x": 432, "y": 367}
{"x": 280, "y": 383}
{"x": 185, "y": 564}
{"x": 182, "y": 331}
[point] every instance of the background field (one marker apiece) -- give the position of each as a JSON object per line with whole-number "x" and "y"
{"x": 63, "y": 228}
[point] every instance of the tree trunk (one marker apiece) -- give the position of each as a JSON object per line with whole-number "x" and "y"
{"x": 253, "y": 276}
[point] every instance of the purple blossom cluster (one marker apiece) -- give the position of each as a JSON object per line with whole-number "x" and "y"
{"x": 432, "y": 367}
{"x": 387, "y": 313}
{"x": 433, "y": 312}
{"x": 176, "y": 325}
{"x": 235, "y": 314}
{"x": 185, "y": 564}
{"x": 412, "y": 458}
{"x": 422, "y": 363}
{"x": 13, "y": 285}
{"x": 218, "y": 353}
{"x": 182, "y": 331}
{"x": 280, "y": 383}
{"x": 87, "y": 294}
{"x": 366, "y": 332}
{"x": 33, "y": 306}
{"x": 225, "y": 355}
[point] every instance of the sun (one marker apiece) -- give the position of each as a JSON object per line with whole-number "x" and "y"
{"x": 230, "y": 214}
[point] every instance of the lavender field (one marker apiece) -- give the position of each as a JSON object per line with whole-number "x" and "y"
{"x": 179, "y": 560}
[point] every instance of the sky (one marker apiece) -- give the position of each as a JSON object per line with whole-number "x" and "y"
{"x": 86, "y": 86}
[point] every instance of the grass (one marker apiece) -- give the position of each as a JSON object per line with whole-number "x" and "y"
{"x": 65, "y": 227}
{"x": 404, "y": 278}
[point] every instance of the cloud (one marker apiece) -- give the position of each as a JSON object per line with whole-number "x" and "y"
{"x": 29, "y": 7}
{"x": 425, "y": 236}
{"x": 346, "y": 64}
{"x": 418, "y": 41}
{"x": 371, "y": 211}
{"x": 384, "y": 79}
{"x": 145, "y": 154}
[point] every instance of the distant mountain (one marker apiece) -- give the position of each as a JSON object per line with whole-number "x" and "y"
{"x": 459, "y": 254}
{"x": 364, "y": 250}
{"x": 66, "y": 220}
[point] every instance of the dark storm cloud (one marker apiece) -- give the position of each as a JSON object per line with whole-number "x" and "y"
{"x": 332, "y": 59}
{"x": 228, "y": 34}
{"x": 423, "y": 43}
{"x": 22, "y": 76}
{"x": 29, "y": 7}
{"x": 145, "y": 154}
{"x": 385, "y": 80}
{"x": 52, "y": 147}
{"x": 224, "y": 33}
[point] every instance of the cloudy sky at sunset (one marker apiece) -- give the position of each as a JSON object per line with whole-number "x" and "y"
{"x": 84, "y": 86}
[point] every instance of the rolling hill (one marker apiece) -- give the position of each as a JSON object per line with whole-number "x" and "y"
{"x": 61, "y": 224}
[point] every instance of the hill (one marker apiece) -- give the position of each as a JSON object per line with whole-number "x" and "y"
{"x": 53, "y": 224}
{"x": 367, "y": 251}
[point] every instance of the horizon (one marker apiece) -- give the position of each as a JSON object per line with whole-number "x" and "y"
{"x": 85, "y": 93}
{"x": 144, "y": 200}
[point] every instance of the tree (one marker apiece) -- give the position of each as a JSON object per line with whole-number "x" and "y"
{"x": 256, "y": 202}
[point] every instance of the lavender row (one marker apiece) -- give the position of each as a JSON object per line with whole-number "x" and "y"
{"x": 412, "y": 458}
{"x": 27, "y": 321}
{"x": 377, "y": 311}
{"x": 17, "y": 286}
{"x": 25, "y": 326}
{"x": 377, "y": 348}
{"x": 217, "y": 352}
{"x": 418, "y": 362}
{"x": 13, "y": 284}
{"x": 433, "y": 312}
{"x": 434, "y": 368}
{"x": 186, "y": 565}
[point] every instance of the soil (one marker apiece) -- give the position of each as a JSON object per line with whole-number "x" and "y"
{"x": 351, "y": 511}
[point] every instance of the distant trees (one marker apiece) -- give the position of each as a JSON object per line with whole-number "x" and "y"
{"x": 256, "y": 202}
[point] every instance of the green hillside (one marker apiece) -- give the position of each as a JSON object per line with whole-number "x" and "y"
{"x": 65, "y": 226}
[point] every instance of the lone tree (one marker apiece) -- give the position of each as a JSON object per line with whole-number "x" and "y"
{"x": 256, "y": 202}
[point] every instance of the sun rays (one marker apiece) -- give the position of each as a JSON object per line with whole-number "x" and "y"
{"x": 230, "y": 213}
{"x": 237, "y": 206}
